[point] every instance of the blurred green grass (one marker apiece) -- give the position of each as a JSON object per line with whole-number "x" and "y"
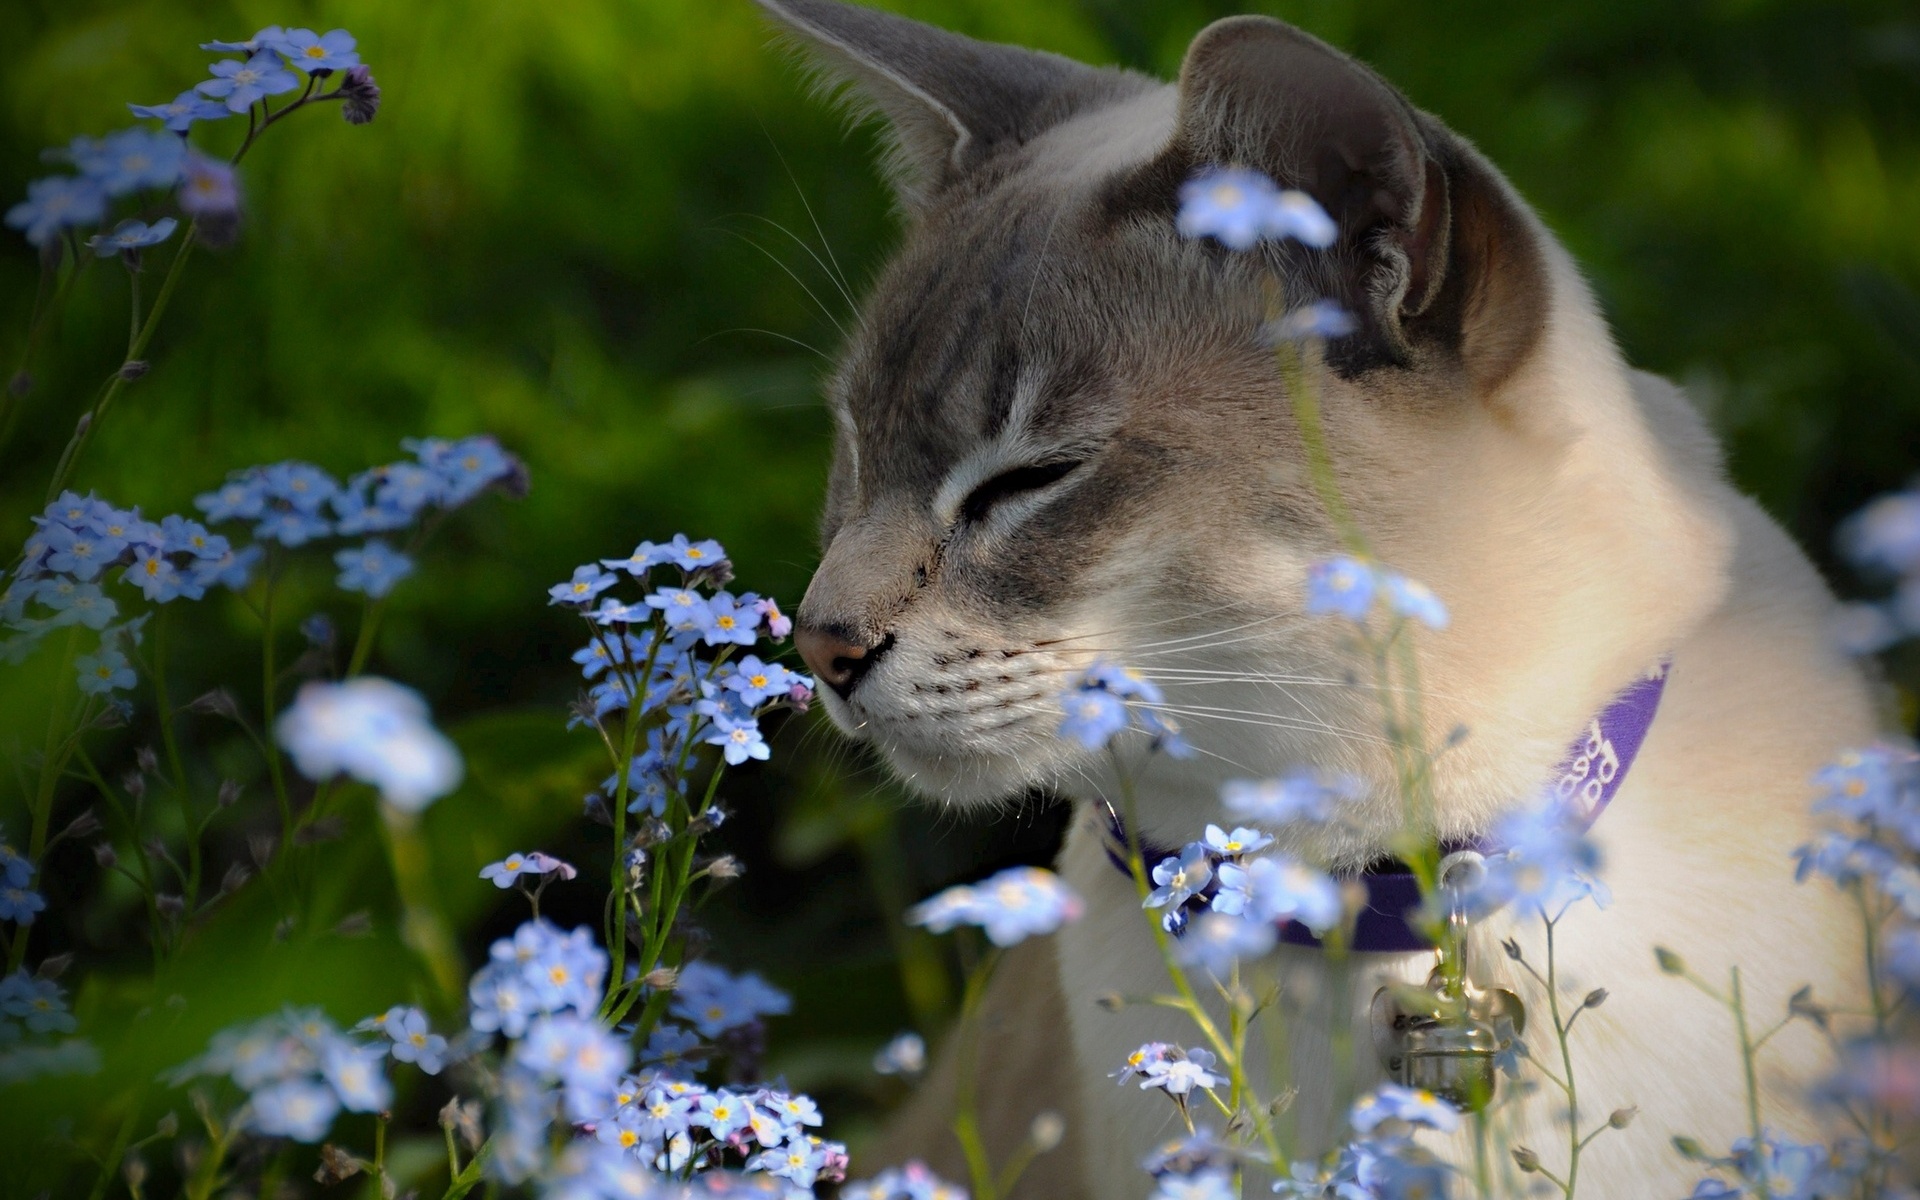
{"x": 602, "y": 230}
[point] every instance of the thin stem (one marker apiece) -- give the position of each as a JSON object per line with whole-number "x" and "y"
{"x": 133, "y": 324}
{"x": 966, "y": 1119}
{"x": 1560, "y": 1029}
{"x": 83, "y": 434}
{"x": 111, "y": 1162}
{"x": 1737, "y": 1002}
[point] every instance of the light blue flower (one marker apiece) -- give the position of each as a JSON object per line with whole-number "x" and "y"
{"x": 156, "y": 576}
{"x": 671, "y": 1047}
{"x": 463, "y": 468}
{"x": 1901, "y": 955}
{"x": 799, "y": 1161}
{"x": 1415, "y": 601}
{"x": 291, "y": 527}
{"x": 104, "y": 671}
{"x": 1548, "y": 864}
{"x": 645, "y": 557}
{"x": 178, "y": 535}
{"x": 904, "y": 1055}
{"x": 738, "y": 739}
{"x": 355, "y": 1074}
{"x": 1240, "y": 208}
{"x": 1885, "y": 535}
{"x": 317, "y": 53}
{"x": 78, "y": 552}
{"x": 1280, "y": 889}
{"x": 714, "y": 1000}
{"x": 1179, "y": 1072}
{"x": 585, "y": 586}
{"x": 1124, "y": 682}
{"x": 1178, "y": 878}
{"x": 182, "y": 111}
{"x": 730, "y": 623}
{"x": 1321, "y": 319}
{"x": 38, "y": 1003}
{"x": 266, "y": 39}
{"x": 757, "y": 682}
{"x": 1341, "y": 586}
{"x": 1093, "y": 717}
{"x": 131, "y": 159}
{"x": 373, "y": 568}
{"x": 721, "y": 1113}
{"x": 20, "y": 904}
{"x": 693, "y": 556}
{"x": 1300, "y": 795}
{"x": 374, "y": 730}
{"x": 1844, "y": 859}
{"x": 414, "y": 1042}
{"x": 1410, "y": 1105}
{"x": 1232, "y": 845}
{"x": 16, "y": 870}
{"x": 242, "y": 82}
{"x": 1201, "y": 1185}
{"x": 243, "y": 498}
{"x": 57, "y": 203}
{"x": 504, "y": 873}
{"x": 231, "y": 570}
{"x": 1216, "y": 940}
{"x": 295, "y": 1108}
{"x": 1011, "y": 906}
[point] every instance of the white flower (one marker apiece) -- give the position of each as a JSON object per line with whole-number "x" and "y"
{"x": 376, "y": 731}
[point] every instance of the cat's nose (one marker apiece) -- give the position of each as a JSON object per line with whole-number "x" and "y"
{"x": 834, "y": 659}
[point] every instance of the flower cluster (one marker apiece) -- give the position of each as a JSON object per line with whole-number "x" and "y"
{"x": 376, "y": 731}
{"x": 911, "y": 1182}
{"x": 1171, "y": 1069}
{"x": 1783, "y": 1169}
{"x": 1240, "y": 900}
{"x": 1348, "y": 587}
{"x": 1242, "y": 208}
{"x": 1198, "y": 1166}
{"x": 538, "y": 972}
{"x": 1011, "y": 906}
{"x": 1883, "y": 539}
{"x": 82, "y": 543}
{"x": 293, "y": 503}
{"x": 299, "y": 1071}
{"x": 140, "y": 160}
{"x": 652, "y": 649}
{"x": 19, "y": 902}
{"x": 1546, "y": 863}
{"x": 1107, "y": 700}
{"x": 1383, "y": 1159}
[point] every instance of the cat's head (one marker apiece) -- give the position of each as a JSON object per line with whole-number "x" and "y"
{"x": 1062, "y": 433}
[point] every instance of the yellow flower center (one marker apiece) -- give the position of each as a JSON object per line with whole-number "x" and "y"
{"x": 695, "y": 552}
{"x": 725, "y": 622}
{"x": 315, "y": 52}
{"x": 627, "y": 1138}
{"x": 757, "y": 681}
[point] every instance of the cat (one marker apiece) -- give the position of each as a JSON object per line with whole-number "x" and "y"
{"x": 1060, "y": 436}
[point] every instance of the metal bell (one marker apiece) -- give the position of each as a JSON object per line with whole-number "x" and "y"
{"x": 1442, "y": 1038}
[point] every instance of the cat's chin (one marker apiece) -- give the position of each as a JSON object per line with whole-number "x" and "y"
{"x": 962, "y": 780}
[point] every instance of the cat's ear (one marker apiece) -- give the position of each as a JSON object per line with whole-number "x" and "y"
{"x": 1432, "y": 243}
{"x": 949, "y": 102}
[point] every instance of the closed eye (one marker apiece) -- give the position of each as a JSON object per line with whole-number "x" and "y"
{"x": 1012, "y": 483}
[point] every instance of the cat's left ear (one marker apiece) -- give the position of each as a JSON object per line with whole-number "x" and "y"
{"x": 1434, "y": 250}
{"x": 950, "y": 102}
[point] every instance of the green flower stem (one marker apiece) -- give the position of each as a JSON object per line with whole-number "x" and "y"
{"x": 117, "y": 1151}
{"x": 206, "y": 1173}
{"x": 966, "y": 1117}
{"x": 53, "y": 763}
{"x": 132, "y": 825}
{"x": 422, "y": 925}
{"x": 1186, "y": 1000}
{"x": 45, "y": 311}
{"x": 163, "y": 703}
{"x": 377, "y": 1178}
{"x": 70, "y": 457}
{"x": 269, "y": 678}
{"x": 469, "y": 1178}
{"x": 1737, "y": 1003}
{"x": 1568, "y": 1086}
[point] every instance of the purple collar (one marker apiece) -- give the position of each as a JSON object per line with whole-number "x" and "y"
{"x": 1588, "y": 778}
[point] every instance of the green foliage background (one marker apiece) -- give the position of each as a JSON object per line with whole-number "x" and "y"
{"x": 599, "y": 229}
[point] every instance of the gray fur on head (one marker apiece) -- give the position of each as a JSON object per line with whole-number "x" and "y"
{"x": 950, "y": 102}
